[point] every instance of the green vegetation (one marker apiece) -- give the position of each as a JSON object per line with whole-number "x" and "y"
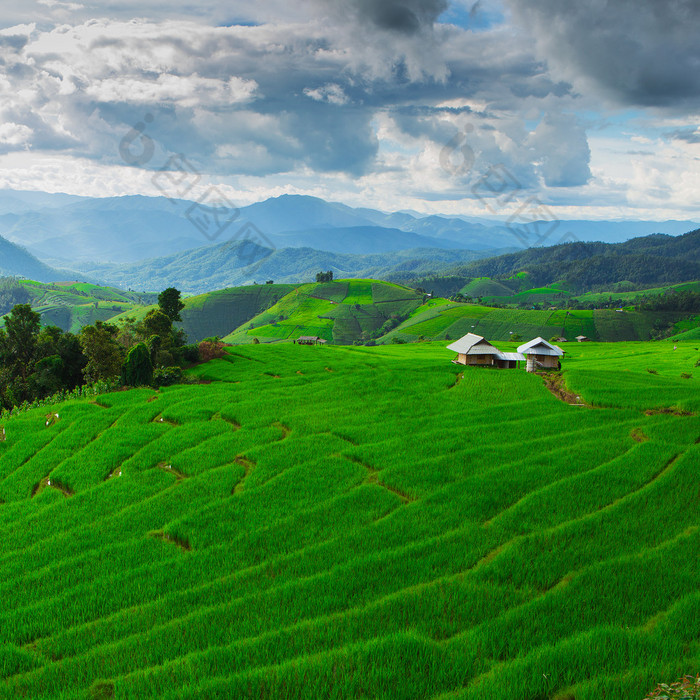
{"x": 342, "y": 311}
{"x": 357, "y": 522}
{"x": 69, "y": 305}
{"x": 219, "y": 313}
{"x": 452, "y": 320}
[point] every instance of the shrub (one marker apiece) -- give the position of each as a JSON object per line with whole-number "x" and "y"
{"x": 209, "y": 350}
{"x": 651, "y": 371}
{"x": 138, "y": 370}
{"x": 190, "y": 353}
{"x": 686, "y": 375}
{"x": 687, "y": 688}
{"x": 256, "y": 341}
{"x": 165, "y": 376}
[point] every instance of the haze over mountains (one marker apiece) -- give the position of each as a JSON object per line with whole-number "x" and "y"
{"x": 152, "y": 242}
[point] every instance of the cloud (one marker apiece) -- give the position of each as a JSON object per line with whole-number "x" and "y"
{"x": 562, "y": 149}
{"x": 330, "y": 92}
{"x": 400, "y": 16}
{"x": 689, "y": 135}
{"x": 14, "y": 134}
{"x": 187, "y": 91}
{"x": 636, "y": 52}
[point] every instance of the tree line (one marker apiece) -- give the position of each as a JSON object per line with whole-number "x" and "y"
{"x": 38, "y": 362}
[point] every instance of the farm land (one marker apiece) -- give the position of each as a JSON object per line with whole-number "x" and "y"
{"x": 346, "y": 522}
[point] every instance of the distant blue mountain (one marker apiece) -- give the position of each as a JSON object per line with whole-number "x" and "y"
{"x": 63, "y": 229}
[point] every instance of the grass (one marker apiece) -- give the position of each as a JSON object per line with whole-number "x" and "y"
{"x": 358, "y": 522}
{"x": 339, "y": 311}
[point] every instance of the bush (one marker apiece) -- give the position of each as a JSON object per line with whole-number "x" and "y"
{"x": 165, "y": 376}
{"x": 688, "y": 688}
{"x": 256, "y": 341}
{"x": 209, "y": 350}
{"x": 190, "y": 353}
{"x": 686, "y": 375}
{"x": 138, "y": 370}
{"x": 651, "y": 371}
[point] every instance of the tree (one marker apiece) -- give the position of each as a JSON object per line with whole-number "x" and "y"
{"x": 21, "y": 330}
{"x": 159, "y": 323}
{"x": 104, "y": 355}
{"x": 138, "y": 369}
{"x": 324, "y": 276}
{"x": 170, "y": 303}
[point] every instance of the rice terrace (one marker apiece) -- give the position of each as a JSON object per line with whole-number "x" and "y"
{"x": 347, "y": 522}
{"x": 349, "y": 350}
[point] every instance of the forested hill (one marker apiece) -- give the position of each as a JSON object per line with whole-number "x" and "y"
{"x": 15, "y": 260}
{"x": 651, "y": 260}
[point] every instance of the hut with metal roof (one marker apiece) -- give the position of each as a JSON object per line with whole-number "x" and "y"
{"x": 310, "y": 340}
{"x": 541, "y": 355}
{"x": 475, "y": 350}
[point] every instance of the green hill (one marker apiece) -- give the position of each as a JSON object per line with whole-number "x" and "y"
{"x": 339, "y": 522}
{"x": 342, "y": 311}
{"x": 72, "y": 305}
{"x": 218, "y": 313}
{"x": 452, "y": 320}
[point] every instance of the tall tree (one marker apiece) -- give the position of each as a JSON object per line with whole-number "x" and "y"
{"x": 138, "y": 369}
{"x": 171, "y": 304}
{"x": 21, "y": 330}
{"x": 105, "y": 356}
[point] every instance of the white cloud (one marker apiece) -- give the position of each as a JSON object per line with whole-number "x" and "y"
{"x": 14, "y": 134}
{"x": 330, "y": 92}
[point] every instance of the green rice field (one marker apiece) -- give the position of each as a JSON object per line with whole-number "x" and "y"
{"x": 356, "y": 522}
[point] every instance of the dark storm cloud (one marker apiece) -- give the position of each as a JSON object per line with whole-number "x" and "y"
{"x": 406, "y": 16}
{"x": 639, "y": 52}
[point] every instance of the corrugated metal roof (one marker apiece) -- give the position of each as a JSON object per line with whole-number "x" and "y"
{"x": 539, "y": 346}
{"x": 512, "y": 356}
{"x": 472, "y": 344}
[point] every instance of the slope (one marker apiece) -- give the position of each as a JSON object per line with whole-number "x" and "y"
{"x": 649, "y": 261}
{"x": 15, "y": 261}
{"x": 72, "y": 305}
{"x": 343, "y": 311}
{"x": 451, "y": 320}
{"x": 220, "y": 312}
{"x": 243, "y": 262}
{"x": 356, "y": 522}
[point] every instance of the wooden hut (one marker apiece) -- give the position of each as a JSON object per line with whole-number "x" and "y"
{"x": 583, "y": 339}
{"x": 475, "y": 350}
{"x": 541, "y": 355}
{"x": 310, "y": 340}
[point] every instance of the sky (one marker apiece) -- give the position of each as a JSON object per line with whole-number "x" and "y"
{"x": 589, "y": 109}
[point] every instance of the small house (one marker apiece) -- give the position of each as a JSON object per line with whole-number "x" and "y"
{"x": 310, "y": 340}
{"x": 583, "y": 339}
{"x": 541, "y": 355}
{"x": 561, "y": 339}
{"x": 475, "y": 350}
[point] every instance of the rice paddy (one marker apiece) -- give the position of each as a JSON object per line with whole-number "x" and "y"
{"x": 354, "y": 522}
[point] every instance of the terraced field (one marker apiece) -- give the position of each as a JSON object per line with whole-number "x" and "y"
{"x": 218, "y": 313}
{"x": 453, "y": 320}
{"x": 339, "y": 311}
{"x": 331, "y": 522}
{"x": 70, "y": 306}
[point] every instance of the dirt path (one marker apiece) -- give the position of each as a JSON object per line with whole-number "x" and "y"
{"x": 554, "y": 381}
{"x": 248, "y": 465}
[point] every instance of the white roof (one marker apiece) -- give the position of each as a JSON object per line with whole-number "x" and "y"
{"x": 472, "y": 344}
{"x": 512, "y": 356}
{"x": 539, "y": 346}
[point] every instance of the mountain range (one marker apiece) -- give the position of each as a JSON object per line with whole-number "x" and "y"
{"x": 63, "y": 230}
